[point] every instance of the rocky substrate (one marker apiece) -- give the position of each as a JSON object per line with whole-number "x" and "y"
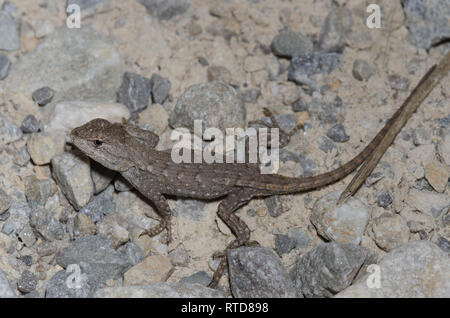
{"x": 72, "y": 228}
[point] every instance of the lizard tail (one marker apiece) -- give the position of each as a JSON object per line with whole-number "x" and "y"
{"x": 282, "y": 184}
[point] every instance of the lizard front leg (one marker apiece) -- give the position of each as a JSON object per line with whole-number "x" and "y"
{"x": 226, "y": 210}
{"x": 163, "y": 209}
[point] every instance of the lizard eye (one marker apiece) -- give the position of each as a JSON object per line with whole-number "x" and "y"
{"x": 98, "y": 142}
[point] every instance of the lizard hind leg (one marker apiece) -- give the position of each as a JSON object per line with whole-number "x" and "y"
{"x": 163, "y": 209}
{"x": 225, "y": 211}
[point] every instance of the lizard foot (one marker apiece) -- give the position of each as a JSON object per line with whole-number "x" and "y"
{"x": 163, "y": 225}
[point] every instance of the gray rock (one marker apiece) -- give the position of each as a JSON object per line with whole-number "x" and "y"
{"x": 299, "y": 106}
{"x": 100, "y": 205}
{"x": 417, "y": 269}
{"x": 326, "y": 113}
{"x": 5, "y": 201}
{"x": 328, "y": 269}
{"x": 43, "y": 95}
{"x": 362, "y": 70}
{"x": 72, "y": 173}
{"x": 308, "y": 166}
{"x": 6, "y": 290}
{"x": 284, "y": 244}
{"x": 301, "y": 238}
{"x": 112, "y": 229}
{"x": 398, "y": 83}
{"x": 46, "y": 248}
{"x": 160, "y": 290}
{"x": 98, "y": 259}
{"x": 133, "y": 252}
{"x": 384, "y": 198}
{"x": 161, "y": 88}
{"x": 201, "y": 277}
{"x": 5, "y": 64}
{"x": 166, "y": 9}
{"x": 46, "y": 224}
{"x": 67, "y": 284}
{"x": 91, "y": 7}
{"x": 38, "y": 191}
{"x": 19, "y": 213}
{"x": 251, "y": 95}
{"x": 21, "y": 156}
{"x": 27, "y": 282}
{"x": 134, "y": 92}
{"x": 345, "y": 223}
{"x": 27, "y": 236}
{"x": 27, "y": 260}
{"x": 9, "y": 132}
{"x": 215, "y": 103}
{"x": 337, "y": 133}
{"x": 190, "y": 209}
{"x": 257, "y": 272}
{"x": 179, "y": 256}
{"x": 288, "y": 43}
{"x": 303, "y": 66}
{"x": 274, "y": 205}
{"x": 9, "y": 32}
{"x": 326, "y": 144}
{"x": 30, "y": 124}
{"x": 101, "y": 176}
{"x": 338, "y": 24}
{"x": 444, "y": 244}
{"x": 91, "y": 60}
{"x": 427, "y": 21}
{"x": 10, "y": 8}
{"x": 421, "y": 136}
{"x": 203, "y": 61}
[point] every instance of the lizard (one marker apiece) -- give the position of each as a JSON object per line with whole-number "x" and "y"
{"x": 131, "y": 151}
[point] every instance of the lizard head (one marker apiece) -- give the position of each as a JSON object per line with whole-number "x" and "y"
{"x": 105, "y": 142}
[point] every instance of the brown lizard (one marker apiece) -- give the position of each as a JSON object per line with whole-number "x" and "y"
{"x": 131, "y": 151}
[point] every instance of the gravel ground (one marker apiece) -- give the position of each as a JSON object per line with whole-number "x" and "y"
{"x": 71, "y": 228}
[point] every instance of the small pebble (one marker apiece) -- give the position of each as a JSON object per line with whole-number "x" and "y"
{"x": 398, "y": 83}
{"x": 5, "y": 64}
{"x": 362, "y": 71}
{"x": 337, "y": 133}
{"x": 43, "y": 95}
{"x": 27, "y": 282}
{"x": 30, "y": 124}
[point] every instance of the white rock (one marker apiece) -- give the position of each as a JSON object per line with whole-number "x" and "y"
{"x": 43, "y": 146}
{"x": 43, "y": 28}
{"x": 345, "y": 223}
{"x": 428, "y": 202}
{"x": 153, "y": 269}
{"x": 417, "y": 269}
{"x": 67, "y": 115}
{"x": 389, "y": 231}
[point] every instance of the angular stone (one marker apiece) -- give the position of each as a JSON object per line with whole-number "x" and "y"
{"x": 160, "y": 89}
{"x": 96, "y": 257}
{"x": 43, "y": 95}
{"x": 153, "y": 269}
{"x": 288, "y": 43}
{"x": 134, "y": 92}
{"x": 166, "y": 9}
{"x": 345, "y": 223}
{"x": 72, "y": 173}
{"x": 327, "y": 269}
{"x": 437, "y": 175}
{"x": 9, "y": 32}
{"x": 257, "y": 272}
{"x": 418, "y": 269}
{"x": 42, "y": 147}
